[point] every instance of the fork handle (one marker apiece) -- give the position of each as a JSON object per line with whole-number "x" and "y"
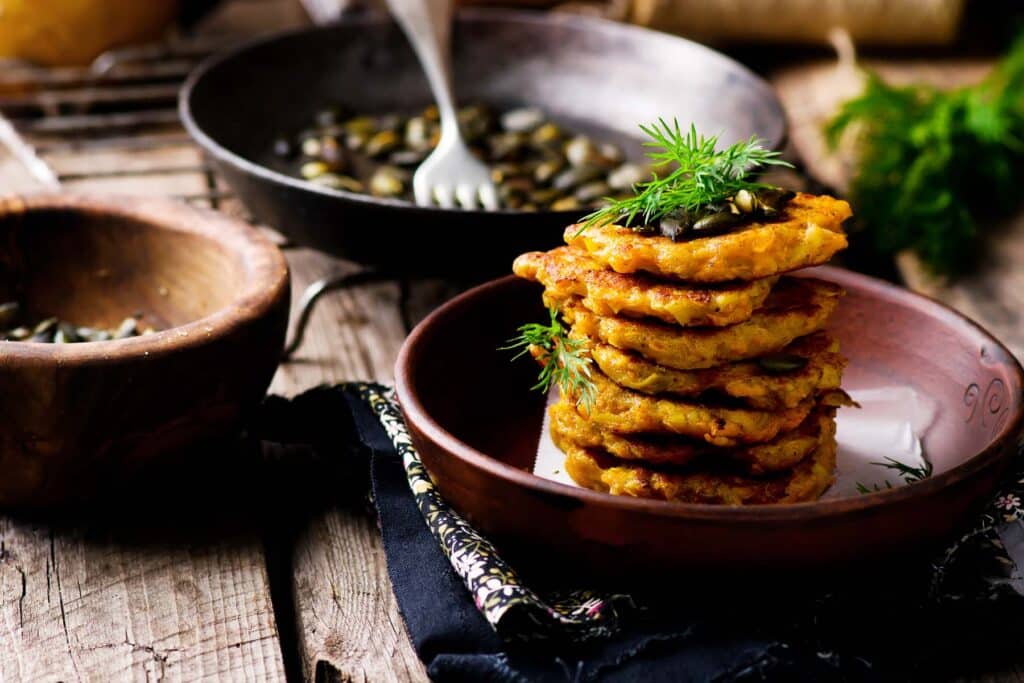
{"x": 427, "y": 24}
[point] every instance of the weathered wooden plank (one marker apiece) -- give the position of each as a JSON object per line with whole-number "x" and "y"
{"x": 78, "y": 606}
{"x": 93, "y": 602}
{"x": 348, "y": 624}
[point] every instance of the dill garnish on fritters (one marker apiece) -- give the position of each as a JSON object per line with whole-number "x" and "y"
{"x": 698, "y": 182}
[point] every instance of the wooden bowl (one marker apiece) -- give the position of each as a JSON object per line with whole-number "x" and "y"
{"x": 475, "y": 423}
{"x": 73, "y": 415}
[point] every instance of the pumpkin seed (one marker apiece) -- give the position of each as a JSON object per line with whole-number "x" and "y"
{"x": 580, "y": 151}
{"x": 382, "y": 143}
{"x": 545, "y": 135}
{"x": 417, "y": 134}
{"x": 522, "y": 120}
{"x": 591, "y": 191}
{"x": 575, "y": 176}
{"x": 716, "y": 223}
{"x": 627, "y": 175}
{"x": 332, "y": 154}
{"x": 313, "y": 169}
{"x": 388, "y": 181}
{"x": 781, "y": 363}
{"x": 311, "y": 147}
{"x": 745, "y": 201}
{"x": 772, "y": 201}
{"x": 546, "y": 170}
{"x": 407, "y": 157}
{"x": 565, "y": 204}
{"x": 336, "y": 181}
{"x": 675, "y": 225}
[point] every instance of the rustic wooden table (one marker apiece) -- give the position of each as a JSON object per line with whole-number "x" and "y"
{"x": 247, "y": 583}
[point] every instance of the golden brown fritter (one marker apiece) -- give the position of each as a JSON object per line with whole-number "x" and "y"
{"x": 747, "y": 381}
{"x": 796, "y": 307}
{"x": 808, "y": 234}
{"x": 568, "y": 272}
{"x": 629, "y": 412}
{"x": 789, "y": 448}
{"x": 595, "y": 469}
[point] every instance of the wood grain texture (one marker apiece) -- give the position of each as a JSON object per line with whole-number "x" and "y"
{"x": 76, "y": 607}
{"x": 348, "y": 624}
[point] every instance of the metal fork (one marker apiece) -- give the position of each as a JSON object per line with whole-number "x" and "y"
{"x": 451, "y": 173}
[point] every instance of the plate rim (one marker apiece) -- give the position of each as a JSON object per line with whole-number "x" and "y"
{"x": 419, "y": 419}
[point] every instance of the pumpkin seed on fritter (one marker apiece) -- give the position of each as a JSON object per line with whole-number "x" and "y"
{"x": 781, "y": 363}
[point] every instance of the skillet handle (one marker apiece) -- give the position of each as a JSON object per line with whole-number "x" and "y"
{"x": 427, "y": 24}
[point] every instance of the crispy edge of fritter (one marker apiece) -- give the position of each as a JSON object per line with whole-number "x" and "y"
{"x": 795, "y": 308}
{"x": 624, "y": 411}
{"x": 808, "y": 234}
{"x": 745, "y": 380}
{"x": 566, "y": 272}
{"x": 785, "y": 451}
{"x": 807, "y": 481}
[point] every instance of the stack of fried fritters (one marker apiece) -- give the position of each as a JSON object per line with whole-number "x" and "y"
{"x": 714, "y": 379}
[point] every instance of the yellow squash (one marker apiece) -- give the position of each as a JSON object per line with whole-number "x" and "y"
{"x": 64, "y": 32}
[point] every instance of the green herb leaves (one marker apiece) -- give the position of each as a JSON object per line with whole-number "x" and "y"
{"x": 909, "y": 474}
{"x": 696, "y": 174}
{"x": 933, "y": 164}
{"x": 564, "y": 360}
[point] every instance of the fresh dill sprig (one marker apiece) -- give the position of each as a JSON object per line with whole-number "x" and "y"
{"x": 698, "y": 174}
{"x": 875, "y": 488}
{"x": 936, "y": 166}
{"x": 909, "y": 473}
{"x": 564, "y": 363}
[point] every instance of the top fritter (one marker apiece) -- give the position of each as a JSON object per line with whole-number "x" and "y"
{"x": 807, "y": 233}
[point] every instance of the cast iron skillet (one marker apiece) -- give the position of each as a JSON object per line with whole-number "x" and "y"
{"x": 600, "y": 77}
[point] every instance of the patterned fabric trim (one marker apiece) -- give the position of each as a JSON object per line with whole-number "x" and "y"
{"x": 978, "y": 566}
{"x": 515, "y": 611}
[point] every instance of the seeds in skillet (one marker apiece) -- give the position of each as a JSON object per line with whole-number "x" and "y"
{"x": 781, "y": 363}
{"x": 541, "y": 162}
{"x": 388, "y": 181}
{"x": 338, "y": 182}
{"x": 522, "y": 120}
{"x": 311, "y": 147}
{"x": 382, "y": 143}
{"x": 312, "y": 169}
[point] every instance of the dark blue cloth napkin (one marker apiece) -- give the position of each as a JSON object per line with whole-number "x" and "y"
{"x": 471, "y": 617}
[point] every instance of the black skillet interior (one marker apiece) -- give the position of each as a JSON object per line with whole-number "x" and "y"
{"x": 591, "y": 75}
